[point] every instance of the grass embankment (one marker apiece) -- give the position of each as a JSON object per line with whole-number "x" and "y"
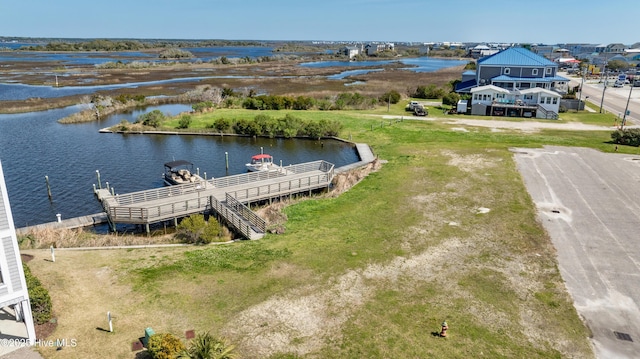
{"x": 444, "y": 231}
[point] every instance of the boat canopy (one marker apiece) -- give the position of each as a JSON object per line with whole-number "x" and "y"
{"x": 178, "y": 163}
{"x": 261, "y": 157}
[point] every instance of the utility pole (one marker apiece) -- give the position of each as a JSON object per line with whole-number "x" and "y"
{"x": 604, "y": 84}
{"x": 582, "y": 87}
{"x": 626, "y": 109}
{"x": 604, "y": 87}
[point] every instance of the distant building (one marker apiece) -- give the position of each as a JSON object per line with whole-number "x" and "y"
{"x": 13, "y": 286}
{"x": 373, "y": 48}
{"x": 350, "y": 51}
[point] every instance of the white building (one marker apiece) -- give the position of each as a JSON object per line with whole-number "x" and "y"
{"x": 14, "y": 298}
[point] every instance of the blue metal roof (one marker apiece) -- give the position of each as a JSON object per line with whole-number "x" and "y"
{"x": 465, "y": 86}
{"x": 516, "y": 56}
{"x": 504, "y": 78}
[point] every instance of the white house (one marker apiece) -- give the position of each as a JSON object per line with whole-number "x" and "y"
{"x": 536, "y": 102}
{"x": 14, "y": 298}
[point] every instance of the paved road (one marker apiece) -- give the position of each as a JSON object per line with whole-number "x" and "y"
{"x": 587, "y": 201}
{"x": 615, "y": 99}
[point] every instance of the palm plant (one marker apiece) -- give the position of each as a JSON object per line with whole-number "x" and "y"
{"x": 205, "y": 346}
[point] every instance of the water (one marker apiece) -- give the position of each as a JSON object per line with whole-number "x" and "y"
{"x": 418, "y": 64}
{"x": 35, "y": 145}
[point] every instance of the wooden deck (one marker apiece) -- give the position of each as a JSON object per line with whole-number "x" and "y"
{"x": 225, "y": 196}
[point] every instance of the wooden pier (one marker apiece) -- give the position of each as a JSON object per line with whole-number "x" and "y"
{"x": 227, "y": 197}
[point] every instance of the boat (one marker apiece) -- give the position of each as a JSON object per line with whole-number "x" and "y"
{"x": 262, "y": 162}
{"x": 180, "y": 172}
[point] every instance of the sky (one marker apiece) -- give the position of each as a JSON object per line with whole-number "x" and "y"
{"x": 505, "y": 21}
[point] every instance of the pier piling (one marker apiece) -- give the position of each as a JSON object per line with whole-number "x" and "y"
{"x": 46, "y": 178}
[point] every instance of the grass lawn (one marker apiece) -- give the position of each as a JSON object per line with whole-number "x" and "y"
{"x": 445, "y": 230}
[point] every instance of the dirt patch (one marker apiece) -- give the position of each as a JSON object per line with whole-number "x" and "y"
{"x": 300, "y": 322}
{"x": 45, "y": 330}
{"x": 344, "y": 181}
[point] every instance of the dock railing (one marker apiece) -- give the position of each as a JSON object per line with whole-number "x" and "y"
{"x": 234, "y": 220}
{"x": 246, "y": 213}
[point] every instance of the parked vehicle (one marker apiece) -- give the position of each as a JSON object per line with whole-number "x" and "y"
{"x": 419, "y": 111}
{"x": 412, "y": 105}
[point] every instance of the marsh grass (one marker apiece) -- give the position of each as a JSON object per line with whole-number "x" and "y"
{"x": 78, "y": 238}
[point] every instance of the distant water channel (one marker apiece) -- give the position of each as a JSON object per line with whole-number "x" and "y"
{"x": 35, "y": 145}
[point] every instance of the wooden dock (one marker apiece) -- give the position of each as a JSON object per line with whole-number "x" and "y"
{"x": 227, "y": 197}
{"x": 76, "y": 222}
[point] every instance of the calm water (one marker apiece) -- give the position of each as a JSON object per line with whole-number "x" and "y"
{"x": 418, "y": 64}
{"x": 34, "y": 145}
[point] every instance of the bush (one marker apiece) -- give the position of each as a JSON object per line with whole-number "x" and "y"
{"x": 428, "y": 92}
{"x": 153, "y": 118}
{"x": 164, "y": 346}
{"x": 41, "y": 306}
{"x": 629, "y": 137}
{"x": 451, "y": 99}
{"x": 391, "y": 97}
{"x": 202, "y": 106}
{"x": 194, "y": 229}
{"x": 206, "y": 346}
{"x": 184, "y": 122}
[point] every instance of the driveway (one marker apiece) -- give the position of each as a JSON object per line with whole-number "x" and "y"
{"x": 588, "y": 203}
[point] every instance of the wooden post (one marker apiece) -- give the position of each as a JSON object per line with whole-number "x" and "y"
{"x": 53, "y": 255}
{"x": 110, "y": 324}
{"x": 226, "y": 159}
{"x": 46, "y": 178}
{"x": 98, "y": 176}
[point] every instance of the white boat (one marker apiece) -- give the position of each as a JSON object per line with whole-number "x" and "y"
{"x": 262, "y": 162}
{"x": 180, "y": 172}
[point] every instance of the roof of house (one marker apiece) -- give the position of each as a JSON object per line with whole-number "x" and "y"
{"x": 515, "y": 56}
{"x": 490, "y": 87}
{"x": 466, "y": 85}
{"x": 540, "y": 90}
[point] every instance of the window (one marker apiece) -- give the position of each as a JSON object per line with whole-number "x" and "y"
{"x": 555, "y": 100}
{"x": 548, "y": 100}
{"x": 534, "y": 72}
{"x": 528, "y": 97}
{"x": 507, "y": 71}
{"x": 548, "y": 70}
{"x": 500, "y": 95}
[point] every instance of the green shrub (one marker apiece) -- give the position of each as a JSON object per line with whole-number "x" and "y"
{"x": 164, "y": 346}
{"x": 429, "y": 92}
{"x": 629, "y": 137}
{"x": 184, "y": 122}
{"x": 205, "y": 346}
{"x": 41, "y": 306}
{"x": 451, "y": 99}
{"x": 153, "y": 118}
{"x": 391, "y": 97}
{"x": 194, "y": 229}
